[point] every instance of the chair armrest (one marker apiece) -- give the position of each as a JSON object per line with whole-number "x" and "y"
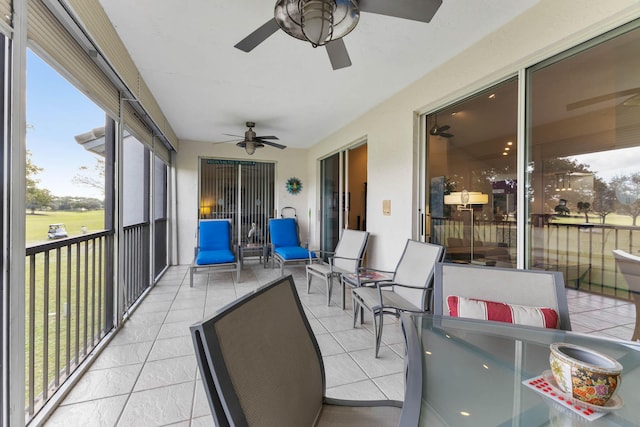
{"x": 346, "y": 257}
{"x": 429, "y": 290}
{"x": 387, "y": 284}
{"x": 331, "y": 260}
{"x": 320, "y": 251}
{"x": 390, "y": 284}
{"x": 365, "y": 269}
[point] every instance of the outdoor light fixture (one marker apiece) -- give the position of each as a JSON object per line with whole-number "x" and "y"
{"x": 464, "y": 198}
{"x": 317, "y": 21}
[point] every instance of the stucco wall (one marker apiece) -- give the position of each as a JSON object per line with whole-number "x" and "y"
{"x": 392, "y": 129}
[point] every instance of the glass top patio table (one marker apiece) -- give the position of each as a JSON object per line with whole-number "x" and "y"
{"x": 465, "y": 372}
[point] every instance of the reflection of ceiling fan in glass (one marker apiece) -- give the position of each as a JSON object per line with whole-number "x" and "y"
{"x": 633, "y": 101}
{"x": 325, "y": 22}
{"x": 440, "y": 130}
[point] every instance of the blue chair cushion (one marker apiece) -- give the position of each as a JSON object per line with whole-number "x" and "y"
{"x": 215, "y": 257}
{"x": 214, "y": 235}
{"x": 284, "y": 232}
{"x": 289, "y": 253}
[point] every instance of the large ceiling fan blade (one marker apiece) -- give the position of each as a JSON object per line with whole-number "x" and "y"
{"x": 258, "y": 36}
{"x": 444, "y": 128}
{"x": 267, "y": 137}
{"x": 224, "y": 142}
{"x": 230, "y": 134}
{"x": 338, "y": 54}
{"x": 416, "y": 10}
{"x": 602, "y": 98}
{"x": 274, "y": 144}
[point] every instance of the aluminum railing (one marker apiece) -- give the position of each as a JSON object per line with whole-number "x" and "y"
{"x": 582, "y": 252}
{"x": 69, "y": 294}
{"x": 137, "y": 273}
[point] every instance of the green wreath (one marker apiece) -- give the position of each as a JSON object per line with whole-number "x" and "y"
{"x": 294, "y": 186}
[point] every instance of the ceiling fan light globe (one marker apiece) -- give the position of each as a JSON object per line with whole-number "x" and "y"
{"x": 317, "y": 21}
{"x": 250, "y": 147}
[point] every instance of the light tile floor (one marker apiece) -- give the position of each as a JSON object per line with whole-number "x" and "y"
{"x": 147, "y": 376}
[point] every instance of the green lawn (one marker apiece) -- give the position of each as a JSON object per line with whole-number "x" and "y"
{"x": 38, "y": 223}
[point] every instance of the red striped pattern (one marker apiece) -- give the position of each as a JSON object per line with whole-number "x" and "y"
{"x": 542, "y": 317}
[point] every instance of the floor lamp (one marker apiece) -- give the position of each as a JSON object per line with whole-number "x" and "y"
{"x": 465, "y": 200}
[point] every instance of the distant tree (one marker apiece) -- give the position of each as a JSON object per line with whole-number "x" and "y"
{"x": 31, "y": 171}
{"x": 36, "y": 198}
{"x": 68, "y": 203}
{"x": 627, "y": 190}
{"x": 585, "y": 208}
{"x": 604, "y": 199}
{"x": 562, "y": 168}
{"x": 93, "y": 180}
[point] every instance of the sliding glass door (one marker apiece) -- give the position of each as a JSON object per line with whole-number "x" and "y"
{"x": 343, "y": 203}
{"x": 241, "y": 191}
{"x": 472, "y": 165}
{"x": 584, "y": 161}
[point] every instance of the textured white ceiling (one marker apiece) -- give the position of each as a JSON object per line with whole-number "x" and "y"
{"x": 206, "y": 87}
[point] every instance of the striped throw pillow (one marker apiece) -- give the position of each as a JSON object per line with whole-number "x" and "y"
{"x": 542, "y": 317}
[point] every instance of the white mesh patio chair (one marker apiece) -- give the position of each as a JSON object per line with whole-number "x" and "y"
{"x": 261, "y": 366}
{"x": 408, "y": 291}
{"x": 347, "y": 258}
{"x": 629, "y": 266}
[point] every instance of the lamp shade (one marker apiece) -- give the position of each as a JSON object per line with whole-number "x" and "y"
{"x": 466, "y": 198}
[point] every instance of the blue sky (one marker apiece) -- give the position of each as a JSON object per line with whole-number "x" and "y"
{"x": 56, "y": 112}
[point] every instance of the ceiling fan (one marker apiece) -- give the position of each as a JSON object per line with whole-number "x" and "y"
{"x": 251, "y": 141}
{"x": 325, "y": 22}
{"x": 440, "y": 130}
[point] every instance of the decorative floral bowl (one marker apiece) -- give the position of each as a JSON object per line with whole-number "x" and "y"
{"x": 584, "y": 373}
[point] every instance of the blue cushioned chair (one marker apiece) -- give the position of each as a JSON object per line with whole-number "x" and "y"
{"x": 285, "y": 244}
{"x": 214, "y": 248}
